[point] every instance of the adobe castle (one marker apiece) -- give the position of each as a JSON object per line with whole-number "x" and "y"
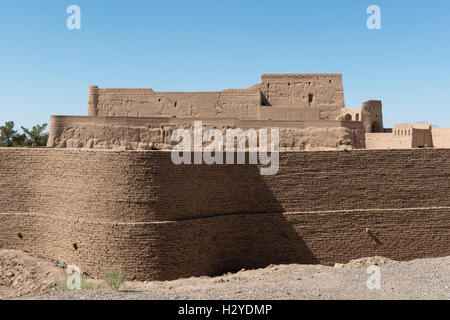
{"x": 308, "y": 109}
{"x": 107, "y": 193}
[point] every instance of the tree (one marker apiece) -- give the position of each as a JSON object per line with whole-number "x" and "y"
{"x": 36, "y": 137}
{"x": 7, "y": 134}
{"x": 19, "y": 140}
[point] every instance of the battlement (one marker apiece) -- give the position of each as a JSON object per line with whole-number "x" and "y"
{"x": 274, "y": 76}
{"x": 121, "y": 91}
{"x": 371, "y": 105}
{"x": 241, "y": 91}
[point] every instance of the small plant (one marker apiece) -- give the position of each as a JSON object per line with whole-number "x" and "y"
{"x": 114, "y": 277}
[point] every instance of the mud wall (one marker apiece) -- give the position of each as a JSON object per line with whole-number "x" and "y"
{"x": 96, "y": 208}
{"x": 155, "y": 133}
{"x": 441, "y": 137}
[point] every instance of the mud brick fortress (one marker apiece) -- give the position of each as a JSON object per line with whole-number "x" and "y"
{"x": 105, "y": 192}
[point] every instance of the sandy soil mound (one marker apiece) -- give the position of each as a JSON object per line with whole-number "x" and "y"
{"x": 27, "y": 276}
{"x": 365, "y": 262}
{"x": 23, "y": 273}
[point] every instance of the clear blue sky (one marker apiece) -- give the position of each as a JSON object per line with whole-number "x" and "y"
{"x": 208, "y": 45}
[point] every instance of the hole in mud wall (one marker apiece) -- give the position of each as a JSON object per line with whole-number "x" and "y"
{"x": 19, "y": 235}
{"x": 310, "y": 98}
{"x": 75, "y": 246}
{"x": 373, "y": 236}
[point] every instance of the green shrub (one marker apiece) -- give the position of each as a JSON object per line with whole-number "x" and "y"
{"x": 114, "y": 277}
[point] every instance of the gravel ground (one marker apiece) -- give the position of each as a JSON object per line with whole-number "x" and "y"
{"x": 418, "y": 279}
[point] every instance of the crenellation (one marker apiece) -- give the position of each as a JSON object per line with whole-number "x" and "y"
{"x": 300, "y": 75}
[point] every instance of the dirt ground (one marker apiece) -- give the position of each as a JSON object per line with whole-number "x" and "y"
{"x": 27, "y": 276}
